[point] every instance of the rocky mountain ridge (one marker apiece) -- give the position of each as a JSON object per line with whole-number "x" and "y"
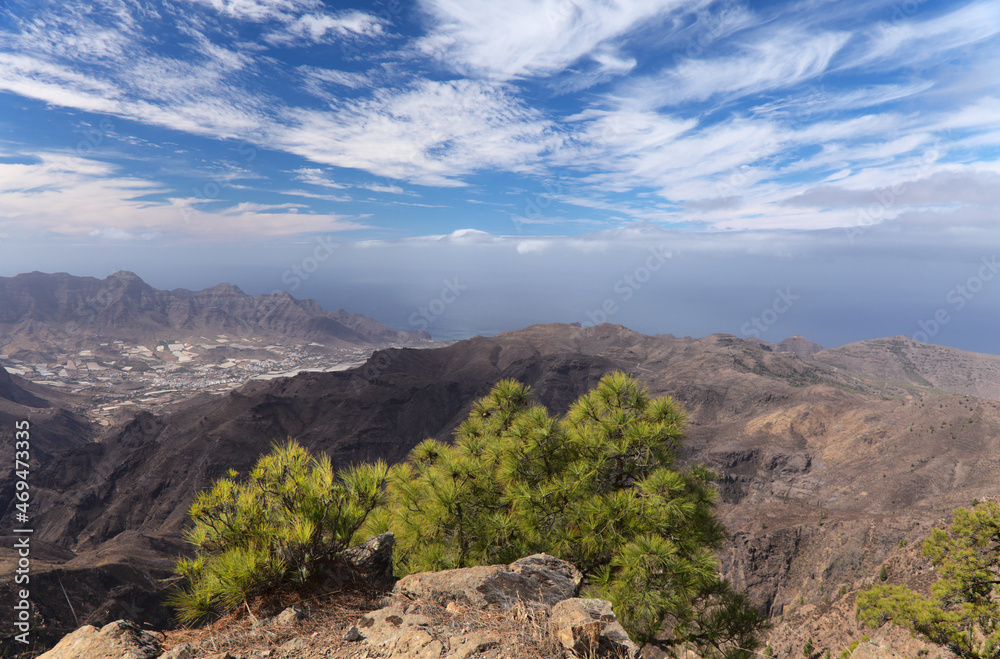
{"x": 827, "y": 470}
{"x": 40, "y": 311}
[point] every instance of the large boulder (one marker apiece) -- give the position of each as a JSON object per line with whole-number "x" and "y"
{"x": 539, "y": 579}
{"x": 119, "y": 639}
{"x": 446, "y": 615}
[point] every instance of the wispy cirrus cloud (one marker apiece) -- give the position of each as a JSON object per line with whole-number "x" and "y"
{"x": 683, "y": 111}
{"x": 904, "y": 43}
{"x": 260, "y": 10}
{"x": 527, "y": 38}
{"x": 430, "y": 133}
{"x": 69, "y": 196}
{"x": 781, "y": 60}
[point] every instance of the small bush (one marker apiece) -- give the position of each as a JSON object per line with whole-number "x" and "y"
{"x": 282, "y": 526}
{"x": 849, "y": 650}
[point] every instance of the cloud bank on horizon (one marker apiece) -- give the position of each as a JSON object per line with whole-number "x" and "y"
{"x": 783, "y": 132}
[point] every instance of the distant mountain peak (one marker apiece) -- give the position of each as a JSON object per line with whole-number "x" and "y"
{"x": 799, "y": 345}
{"x": 36, "y": 310}
{"x": 126, "y": 275}
{"x": 227, "y": 289}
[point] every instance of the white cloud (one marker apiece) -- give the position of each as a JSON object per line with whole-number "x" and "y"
{"x": 376, "y": 187}
{"x": 532, "y": 38}
{"x": 431, "y": 133}
{"x": 945, "y": 187}
{"x": 818, "y": 100}
{"x": 324, "y": 28}
{"x": 906, "y": 42}
{"x": 317, "y": 78}
{"x": 56, "y": 84}
{"x": 532, "y": 246}
{"x": 313, "y": 195}
{"x": 260, "y": 10}
{"x": 316, "y": 176}
{"x": 632, "y": 156}
{"x": 783, "y": 59}
{"x": 72, "y": 196}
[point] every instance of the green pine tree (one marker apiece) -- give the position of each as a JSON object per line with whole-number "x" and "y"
{"x": 963, "y": 612}
{"x": 282, "y": 526}
{"x": 599, "y": 488}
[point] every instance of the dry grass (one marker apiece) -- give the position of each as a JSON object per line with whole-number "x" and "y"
{"x": 242, "y": 633}
{"x": 523, "y": 631}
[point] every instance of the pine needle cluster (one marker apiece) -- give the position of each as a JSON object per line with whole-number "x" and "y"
{"x": 283, "y": 525}
{"x": 599, "y": 488}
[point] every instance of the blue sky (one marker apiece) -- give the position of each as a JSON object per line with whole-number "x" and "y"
{"x": 770, "y": 168}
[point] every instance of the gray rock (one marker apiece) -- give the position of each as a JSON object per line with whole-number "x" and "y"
{"x": 353, "y": 634}
{"x": 294, "y": 645}
{"x": 471, "y": 644}
{"x": 119, "y": 639}
{"x": 410, "y": 626}
{"x": 589, "y": 627}
{"x": 182, "y": 651}
{"x": 539, "y": 579}
{"x": 372, "y": 559}
{"x": 289, "y": 616}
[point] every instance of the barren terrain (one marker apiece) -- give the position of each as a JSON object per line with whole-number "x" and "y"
{"x": 830, "y": 466}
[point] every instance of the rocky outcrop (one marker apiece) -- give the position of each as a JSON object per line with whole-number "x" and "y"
{"x": 527, "y": 608}
{"x": 589, "y": 627}
{"x": 538, "y": 591}
{"x": 539, "y": 579}
{"x": 119, "y": 639}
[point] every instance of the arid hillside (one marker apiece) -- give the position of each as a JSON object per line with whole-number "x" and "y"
{"x": 830, "y": 464}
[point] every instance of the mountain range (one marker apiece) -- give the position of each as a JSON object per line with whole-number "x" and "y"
{"x": 40, "y": 311}
{"x": 831, "y": 462}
